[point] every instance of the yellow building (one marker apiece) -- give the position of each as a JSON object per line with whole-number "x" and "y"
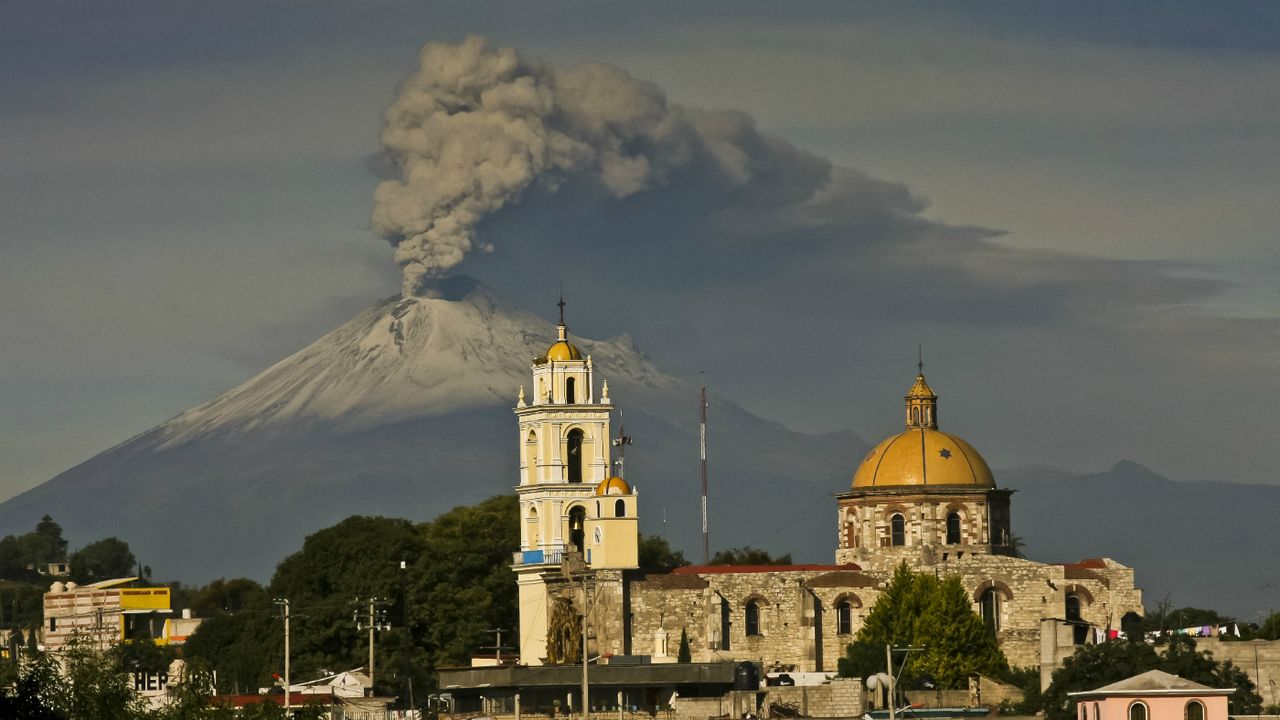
{"x": 104, "y": 613}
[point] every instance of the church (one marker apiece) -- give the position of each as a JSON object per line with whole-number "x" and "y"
{"x": 921, "y": 496}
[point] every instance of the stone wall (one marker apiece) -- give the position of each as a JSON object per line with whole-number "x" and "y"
{"x": 798, "y": 616}
{"x": 1259, "y": 658}
{"x": 841, "y": 698}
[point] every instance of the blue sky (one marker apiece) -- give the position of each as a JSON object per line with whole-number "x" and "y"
{"x": 1071, "y": 205}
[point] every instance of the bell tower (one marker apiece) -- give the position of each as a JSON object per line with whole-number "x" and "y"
{"x": 569, "y": 501}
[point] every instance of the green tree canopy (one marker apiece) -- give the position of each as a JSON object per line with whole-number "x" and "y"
{"x": 748, "y": 555}
{"x": 222, "y": 597}
{"x": 102, "y": 560}
{"x": 921, "y": 610}
{"x": 656, "y": 554}
{"x": 455, "y": 584}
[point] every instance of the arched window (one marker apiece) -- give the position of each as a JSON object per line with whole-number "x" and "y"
{"x": 989, "y": 604}
{"x": 575, "y": 455}
{"x": 844, "y": 618}
{"x": 1194, "y": 710}
{"x": 897, "y": 530}
{"x": 915, "y": 415}
{"x": 953, "y": 528}
{"x": 1079, "y": 629}
{"x": 752, "y": 618}
{"x": 578, "y": 528}
{"x": 568, "y": 391}
{"x": 725, "y": 624}
{"x": 1084, "y": 711}
{"x": 619, "y": 508}
{"x": 1138, "y": 711}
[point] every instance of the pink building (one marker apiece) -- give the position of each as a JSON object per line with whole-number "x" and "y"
{"x": 1153, "y": 695}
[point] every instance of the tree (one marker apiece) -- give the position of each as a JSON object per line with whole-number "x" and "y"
{"x": 564, "y": 634}
{"x": 1270, "y": 628}
{"x": 686, "y": 654}
{"x": 656, "y": 554}
{"x": 1093, "y": 666}
{"x": 748, "y": 555}
{"x": 955, "y": 640}
{"x": 102, "y": 560}
{"x": 222, "y": 597}
{"x": 919, "y": 610}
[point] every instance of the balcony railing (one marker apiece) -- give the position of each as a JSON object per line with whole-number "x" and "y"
{"x": 544, "y": 557}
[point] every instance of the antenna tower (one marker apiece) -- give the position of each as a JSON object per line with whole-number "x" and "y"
{"x": 702, "y": 434}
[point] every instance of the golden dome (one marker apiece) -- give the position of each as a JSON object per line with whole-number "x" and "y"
{"x": 613, "y": 486}
{"x": 563, "y": 350}
{"x": 924, "y": 457}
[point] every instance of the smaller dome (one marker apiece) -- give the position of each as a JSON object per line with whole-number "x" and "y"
{"x": 563, "y": 350}
{"x": 613, "y": 486}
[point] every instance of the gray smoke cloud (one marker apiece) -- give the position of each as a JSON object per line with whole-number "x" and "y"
{"x": 476, "y": 128}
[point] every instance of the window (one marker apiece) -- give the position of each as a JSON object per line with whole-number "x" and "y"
{"x": 568, "y": 391}
{"x": 915, "y": 416}
{"x": 1079, "y": 628}
{"x": 953, "y": 528}
{"x": 1194, "y": 710}
{"x": 844, "y": 618}
{"x": 619, "y": 508}
{"x": 1084, "y": 711}
{"x": 53, "y": 624}
{"x": 753, "y": 618}
{"x": 724, "y": 624}
{"x": 989, "y": 603}
{"x": 1137, "y": 711}
{"x": 897, "y": 530}
{"x": 577, "y": 528}
{"x": 575, "y": 455}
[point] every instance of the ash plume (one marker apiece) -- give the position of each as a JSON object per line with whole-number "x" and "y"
{"x": 476, "y": 128}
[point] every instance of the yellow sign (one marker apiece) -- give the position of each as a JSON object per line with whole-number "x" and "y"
{"x": 144, "y": 599}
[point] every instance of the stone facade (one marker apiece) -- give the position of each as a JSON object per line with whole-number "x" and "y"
{"x": 921, "y": 497}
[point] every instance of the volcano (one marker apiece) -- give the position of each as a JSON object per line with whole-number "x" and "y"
{"x": 405, "y": 411}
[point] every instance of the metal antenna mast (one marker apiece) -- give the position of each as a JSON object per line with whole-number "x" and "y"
{"x": 702, "y": 442}
{"x": 621, "y": 442}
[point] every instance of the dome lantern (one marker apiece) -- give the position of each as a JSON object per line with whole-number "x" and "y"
{"x": 922, "y": 403}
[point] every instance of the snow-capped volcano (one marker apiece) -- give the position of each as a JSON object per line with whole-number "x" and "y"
{"x": 404, "y": 358}
{"x": 405, "y": 411}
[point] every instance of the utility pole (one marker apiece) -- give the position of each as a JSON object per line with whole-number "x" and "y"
{"x": 376, "y": 619}
{"x": 889, "y": 650}
{"x": 288, "y": 687}
{"x": 574, "y": 563}
{"x": 497, "y": 643}
{"x": 702, "y": 436}
{"x": 404, "y": 610}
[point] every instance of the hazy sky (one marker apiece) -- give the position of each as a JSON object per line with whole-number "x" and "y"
{"x": 1073, "y": 207}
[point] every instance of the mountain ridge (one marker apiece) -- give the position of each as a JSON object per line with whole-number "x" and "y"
{"x": 404, "y": 410}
